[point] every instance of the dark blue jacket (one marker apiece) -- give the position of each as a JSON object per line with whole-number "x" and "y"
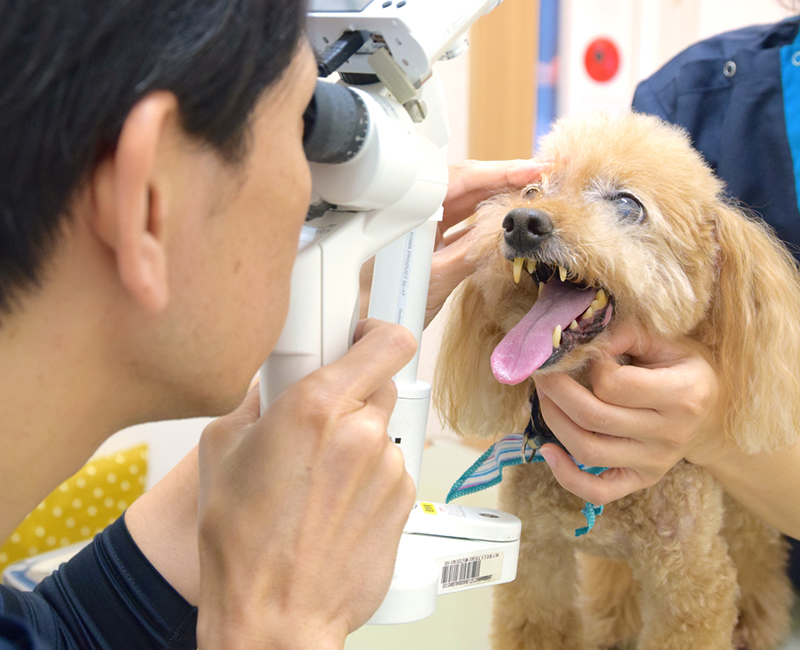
{"x": 738, "y": 95}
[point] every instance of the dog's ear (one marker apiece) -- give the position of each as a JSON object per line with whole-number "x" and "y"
{"x": 465, "y": 393}
{"x": 755, "y": 333}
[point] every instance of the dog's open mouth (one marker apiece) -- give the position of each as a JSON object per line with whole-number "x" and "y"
{"x": 566, "y": 314}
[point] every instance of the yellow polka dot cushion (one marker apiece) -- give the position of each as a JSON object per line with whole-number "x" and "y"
{"x": 81, "y": 506}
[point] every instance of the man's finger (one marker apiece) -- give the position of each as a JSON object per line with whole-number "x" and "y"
{"x": 384, "y": 399}
{"x": 380, "y": 351}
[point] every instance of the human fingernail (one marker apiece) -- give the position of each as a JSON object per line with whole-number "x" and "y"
{"x": 549, "y": 458}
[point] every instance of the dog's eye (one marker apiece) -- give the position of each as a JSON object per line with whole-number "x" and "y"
{"x": 628, "y": 207}
{"x": 530, "y": 191}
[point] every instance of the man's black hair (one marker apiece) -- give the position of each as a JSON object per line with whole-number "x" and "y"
{"x": 70, "y": 72}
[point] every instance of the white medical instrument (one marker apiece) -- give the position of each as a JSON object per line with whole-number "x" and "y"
{"x": 377, "y": 140}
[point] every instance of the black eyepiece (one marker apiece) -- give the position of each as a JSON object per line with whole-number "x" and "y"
{"x": 336, "y": 123}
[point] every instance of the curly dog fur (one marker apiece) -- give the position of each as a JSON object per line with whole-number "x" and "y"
{"x": 627, "y": 205}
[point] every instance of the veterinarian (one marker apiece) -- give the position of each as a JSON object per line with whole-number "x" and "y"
{"x": 152, "y": 189}
{"x": 738, "y": 95}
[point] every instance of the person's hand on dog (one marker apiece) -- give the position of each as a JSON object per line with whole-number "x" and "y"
{"x": 639, "y": 419}
{"x": 301, "y": 508}
{"x": 470, "y": 183}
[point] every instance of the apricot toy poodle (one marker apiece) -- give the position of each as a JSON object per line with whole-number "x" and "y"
{"x": 628, "y": 224}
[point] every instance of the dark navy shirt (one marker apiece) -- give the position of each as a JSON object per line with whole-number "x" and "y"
{"x": 107, "y": 597}
{"x": 738, "y": 96}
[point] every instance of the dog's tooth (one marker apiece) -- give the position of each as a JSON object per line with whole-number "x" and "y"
{"x": 557, "y": 336}
{"x": 588, "y": 313}
{"x": 518, "y": 262}
{"x": 562, "y": 273}
{"x": 600, "y": 300}
{"x": 541, "y": 287}
{"x": 573, "y": 325}
{"x": 531, "y": 266}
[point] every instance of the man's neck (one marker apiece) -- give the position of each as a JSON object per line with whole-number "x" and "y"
{"x": 60, "y": 392}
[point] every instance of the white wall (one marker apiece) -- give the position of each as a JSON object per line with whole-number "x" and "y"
{"x": 648, "y": 34}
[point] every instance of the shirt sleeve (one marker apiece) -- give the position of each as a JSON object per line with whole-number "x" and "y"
{"x": 107, "y": 597}
{"x": 15, "y": 636}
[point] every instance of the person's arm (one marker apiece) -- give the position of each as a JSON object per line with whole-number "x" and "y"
{"x": 767, "y": 484}
{"x": 641, "y": 419}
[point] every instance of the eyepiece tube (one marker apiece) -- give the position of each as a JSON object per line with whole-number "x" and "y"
{"x": 339, "y": 52}
{"x": 336, "y": 123}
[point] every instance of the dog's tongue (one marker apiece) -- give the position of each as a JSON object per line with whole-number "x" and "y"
{"x": 526, "y": 347}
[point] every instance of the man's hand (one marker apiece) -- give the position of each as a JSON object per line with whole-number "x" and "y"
{"x": 301, "y": 508}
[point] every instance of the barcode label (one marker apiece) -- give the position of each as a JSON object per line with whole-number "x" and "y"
{"x": 473, "y": 570}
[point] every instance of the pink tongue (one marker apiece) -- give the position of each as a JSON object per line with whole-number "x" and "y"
{"x": 526, "y": 347}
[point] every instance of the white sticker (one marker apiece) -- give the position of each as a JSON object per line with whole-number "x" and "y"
{"x": 453, "y": 511}
{"x": 475, "y": 569}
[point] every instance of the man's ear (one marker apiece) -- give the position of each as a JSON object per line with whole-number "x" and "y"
{"x": 132, "y": 199}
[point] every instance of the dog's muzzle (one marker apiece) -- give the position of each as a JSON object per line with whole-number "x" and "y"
{"x": 567, "y": 312}
{"x": 526, "y": 229}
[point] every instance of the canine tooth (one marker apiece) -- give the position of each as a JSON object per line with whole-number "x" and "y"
{"x": 557, "y": 336}
{"x": 518, "y": 261}
{"x": 600, "y": 299}
{"x": 541, "y": 287}
{"x": 531, "y": 266}
{"x": 588, "y": 313}
{"x": 596, "y": 306}
{"x": 573, "y": 325}
{"x": 562, "y": 273}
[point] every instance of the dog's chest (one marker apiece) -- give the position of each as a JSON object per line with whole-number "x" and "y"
{"x": 668, "y": 511}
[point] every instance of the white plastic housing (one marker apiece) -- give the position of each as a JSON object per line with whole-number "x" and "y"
{"x": 332, "y": 249}
{"x": 445, "y": 549}
{"x": 418, "y": 34}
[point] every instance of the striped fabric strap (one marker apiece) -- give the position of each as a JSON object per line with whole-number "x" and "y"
{"x": 487, "y": 471}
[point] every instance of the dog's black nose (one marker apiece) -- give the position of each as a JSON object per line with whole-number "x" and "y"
{"x": 526, "y": 229}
